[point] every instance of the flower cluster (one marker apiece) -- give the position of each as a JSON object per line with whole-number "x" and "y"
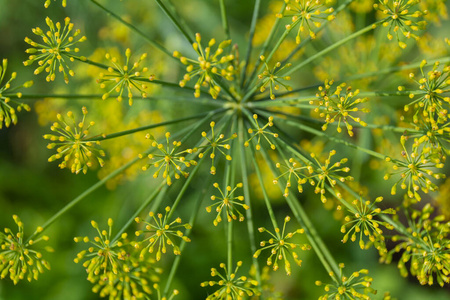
{"x": 230, "y": 286}
{"x": 209, "y": 66}
{"x": 170, "y": 160}
{"x": 72, "y": 142}
{"x": 400, "y": 16}
{"x": 47, "y": 3}
{"x": 339, "y": 106}
{"x": 304, "y": 14}
{"x": 416, "y": 171}
{"x": 271, "y": 78}
{"x": 125, "y": 78}
{"x": 292, "y": 169}
{"x": 114, "y": 268}
{"x": 58, "y": 45}
{"x": 160, "y": 231}
{"x": 261, "y": 132}
{"x": 215, "y": 144}
{"x": 18, "y": 258}
{"x": 348, "y": 288}
{"x": 281, "y": 248}
{"x": 7, "y": 111}
{"x": 433, "y": 104}
{"x": 426, "y": 245}
{"x": 227, "y": 202}
{"x": 362, "y": 222}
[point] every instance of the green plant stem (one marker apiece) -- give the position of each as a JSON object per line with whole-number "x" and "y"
{"x": 83, "y": 195}
{"x": 175, "y": 21}
{"x": 142, "y": 128}
{"x": 135, "y": 29}
{"x": 223, "y": 14}
{"x": 325, "y": 135}
{"x": 328, "y": 49}
{"x": 317, "y": 244}
{"x": 250, "y": 41}
{"x": 264, "y": 48}
{"x": 176, "y": 262}
{"x": 157, "y": 191}
{"x": 248, "y": 212}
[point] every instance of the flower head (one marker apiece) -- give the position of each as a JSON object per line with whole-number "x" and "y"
{"x": 271, "y": 78}
{"x": 113, "y": 266}
{"x": 281, "y": 248}
{"x": 230, "y": 286}
{"x": 47, "y": 3}
{"x": 306, "y": 14}
{"x": 416, "y": 171}
{"x": 169, "y": 159}
{"x": 215, "y": 144}
{"x": 426, "y": 244}
{"x": 209, "y": 66}
{"x": 400, "y": 16}
{"x": 362, "y": 221}
{"x": 261, "y": 132}
{"x": 57, "y": 47}
{"x": 434, "y": 103}
{"x": 73, "y": 143}
{"x": 17, "y": 256}
{"x": 292, "y": 169}
{"x": 160, "y": 231}
{"x": 327, "y": 173}
{"x": 357, "y": 286}
{"x": 339, "y": 106}
{"x": 227, "y": 202}
{"x": 9, "y": 106}
{"x": 125, "y": 78}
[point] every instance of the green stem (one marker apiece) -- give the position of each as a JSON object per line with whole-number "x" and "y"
{"x": 177, "y": 259}
{"x": 328, "y": 49}
{"x": 250, "y": 225}
{"x": 135, "y": 29}
{"x": 83, "y": 195}
{"x": 160, "y": 189}
{"x": 142, "y": 128}
{"x": 265, "y": 46}
{"x": 250, "y": 41}
{"x": 223, "y": 14}
{"x": 175, "y": 21}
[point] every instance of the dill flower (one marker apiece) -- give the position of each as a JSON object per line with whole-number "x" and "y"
{"x": 79, "y": 151}
{"x": 170, "y": 159}
{"x": 57, "y": 47}
{"x": 161, "y": 232}
{"x": 158, "y": 293}
{"x": 215, "y": 144}
{"x": 17, "y": 256}
{"x": 426, "y": 245}
{"x": 357, "y": 286}
{"x": 125, "y": 78}
{"x": 113, "y": 268}
{"x": 339, "y": 106}
{"x": 227, "y": 202}
{"x": 292, "y": 169}
{"x": 281, "y": 248}
{"x": 433, "y": 105}
{"x": 416, "y": 171}
{"x": 327, "y": 173}
{"x": 271, "y": 78}
{"x": 7, "y": 111}
{"x": 230, "y": 286}
{"x": 47, "y": 3}
{"x": 209, "y": 66}
{"x": 400, "y": 16}
{"x": 261, "y": 132}
{"x": 306, "y": 14}
{"x": 362, "y": 221}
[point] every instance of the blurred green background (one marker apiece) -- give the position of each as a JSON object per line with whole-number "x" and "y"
{"x": 35, "y": 189}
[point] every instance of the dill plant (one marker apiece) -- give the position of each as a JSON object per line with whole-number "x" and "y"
{"x": 248, "y": 107}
